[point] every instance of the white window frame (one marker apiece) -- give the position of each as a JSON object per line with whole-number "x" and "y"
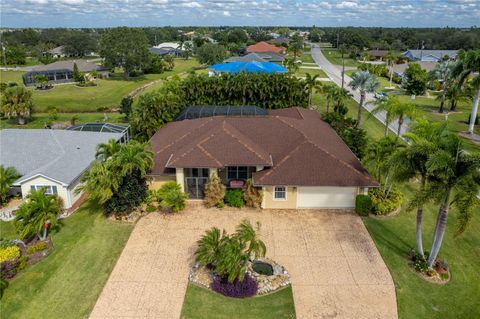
{"x": 275, "y": 193}
{"x": 48, "y": 189}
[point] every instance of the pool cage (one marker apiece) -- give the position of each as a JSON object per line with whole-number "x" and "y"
{"x": 53, "y": 76}
{"x": 195, "y": 112}
{"x": 104, "y": 127}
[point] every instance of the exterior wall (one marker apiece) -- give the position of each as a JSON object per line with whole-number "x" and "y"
{"x": 62, "y": 191}
{"x": 270, "y": 202}
{"x": 180, "y": 177}
{"x": 72, "y": 191}
{"x": 156, "y": 181}
{"x": 326, "y": 197}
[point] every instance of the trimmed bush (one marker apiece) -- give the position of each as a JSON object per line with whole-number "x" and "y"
{"x": 214, "y": 192}
{"x": 238, "y": 289}
{"x": 9, "y": 253}
{"x": 384, "y": 203}
{"x": 167, "y": 188}
{"x": 174, "y": 201}
{"x": 363, "y": 205}
{"x": 234, "y": 198}
{"x": 253, "y": 195}
{"x": 41, "y": 245}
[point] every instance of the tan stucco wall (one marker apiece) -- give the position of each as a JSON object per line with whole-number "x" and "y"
{"x": 41, "y": 181}
{"x": 155, "y": 182}
{"x": 269, "y": 202}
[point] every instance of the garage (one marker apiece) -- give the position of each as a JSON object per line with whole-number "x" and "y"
{"x": 326, "y": 197}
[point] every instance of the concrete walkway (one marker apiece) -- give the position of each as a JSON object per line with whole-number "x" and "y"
{"x": 336, "y": 269}
{"x": 335, "y": 74}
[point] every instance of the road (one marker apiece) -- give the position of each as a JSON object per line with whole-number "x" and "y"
{"x": 335, "y": 74}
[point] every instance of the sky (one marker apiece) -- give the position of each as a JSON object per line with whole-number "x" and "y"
{"x": 107, "y": 13}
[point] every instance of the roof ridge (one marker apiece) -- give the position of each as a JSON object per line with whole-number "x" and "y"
{"x": 185, "y": 135}
{"x": 201, "y": 149}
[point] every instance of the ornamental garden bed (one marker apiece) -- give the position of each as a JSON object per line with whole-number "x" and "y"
{"x": 438, "y": 274}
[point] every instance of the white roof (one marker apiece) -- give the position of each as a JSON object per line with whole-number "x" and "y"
{"x": 59, "y": 155}
{"x": 172, "y": 45}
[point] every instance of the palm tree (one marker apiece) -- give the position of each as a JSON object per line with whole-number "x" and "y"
{"x": 107, "y": 150}
{"x": 329, "y": 90}
{"x": 134, "y": 156}
{"x": 17, "y": 101}
{"x": 37, "y": 214}
{"x": 7, "y": 177}
{"x": 209, "y": 246}
{"x": 343, "y": 49}
{"x": 390, "y": 59}
{"x": 443, "y": 73}
{"x": 312, "y": 84}
{"x": 100, "y": 182}
{"x": 402, "y": 111}
{"x": 387, "y": 105}
{"x": 453, "y": 180}
{"x": 247, "y": 234}
{"x": 470, "y": 65}
{"x": 455, "y": 94}
{"x": 366, "y": 83}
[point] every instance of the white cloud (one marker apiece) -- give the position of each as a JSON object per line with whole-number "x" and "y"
{"x": 226, "y": 13}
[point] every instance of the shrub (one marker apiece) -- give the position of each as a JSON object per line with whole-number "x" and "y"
{"x": 130, "y": 194}
{"x": 41, "y": 245}
{"x": 237, "y": 289}
{"x": 9, "y": 268}
{"x": 214, "y": 192}
{"x": 167, "y": 188}
{"x": 363, "y": 205}
{"x": 22, "y": 263}
{"x": 151, "y": 208}
{"x": 171, "y": 197}
{"x": 383, "y": 202}
{"x": 234, "y": 198}
{"x": 253, "y": 195}
{"x": 9, "y": 253}
{"x": 3, "y": 286}
{"x": 4, "y": 243}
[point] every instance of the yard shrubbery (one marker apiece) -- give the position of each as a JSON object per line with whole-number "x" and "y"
{"x": 363, "y": 205}
{"x": 214, "y": 192}
{"x": 234, "y": 198}
{"x": 384, "y": 201}
{"x": 171, "y": 197}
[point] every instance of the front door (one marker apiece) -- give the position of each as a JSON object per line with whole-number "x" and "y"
{"x": 195, "y": 187}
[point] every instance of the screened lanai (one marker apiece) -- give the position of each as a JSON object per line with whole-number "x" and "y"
{"x": 195, "y": 112}
{"x": 104, "y": 127}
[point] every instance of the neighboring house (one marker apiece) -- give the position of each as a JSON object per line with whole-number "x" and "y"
{"x": 250, "y": 67}
{"x": 292, "y": 154}
{"x": 430, "y": 55}
{"x": 164, "y": 51}
{"x": 377, "y": 54}
{"x": 258, "y": 57}
{"x": 62, "y": 71}
{"x": 280, "y": 40}
{"x": 266, "y": 47}
{"x": 399, "y": 69}
{"x": 54, "y": 159}
{"x": 58, "y": 52}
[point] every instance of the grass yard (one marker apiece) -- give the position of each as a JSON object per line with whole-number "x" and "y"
{"x": 67, "y": 283}
{"x": 39, "y": 120}
{"x": 307, "y": 57}
{"x": 11, "y": 76}
{"x": 200, "y": 303}
{"x": 335, "y": 57}
{"x": 302, "y": 72}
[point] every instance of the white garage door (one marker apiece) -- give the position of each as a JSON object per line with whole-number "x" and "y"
{"x": 326, "y": 197}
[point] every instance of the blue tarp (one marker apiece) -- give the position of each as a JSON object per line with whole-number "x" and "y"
{"x": 255, "y": 66}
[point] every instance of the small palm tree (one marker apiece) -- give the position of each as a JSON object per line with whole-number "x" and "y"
{"x": 365, "y": 83}
{"x": 387, "y": 105}
{"x": 17, "y": 101}
{"x": 312, "y": 85}
{"x": 100, "y": 182}
{"x": 105, "y": 151}
{"x": 443, "y": 73}
{"x": 209, "y": 246}
{"x": 247, "y": 234}
{"x": 37, "y": 214}
{"x": 7, "y": 177}
{"x": 402, "y": 111}
{"x": 134, "y": 156}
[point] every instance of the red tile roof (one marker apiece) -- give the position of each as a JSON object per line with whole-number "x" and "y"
{"x": 294, "y": 145}
{"x": 265, "y": 47}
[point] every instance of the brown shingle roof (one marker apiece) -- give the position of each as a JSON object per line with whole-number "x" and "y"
{"x": 294, "y": 145}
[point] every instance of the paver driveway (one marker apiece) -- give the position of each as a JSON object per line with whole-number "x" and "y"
{"x": 336, "y": 269}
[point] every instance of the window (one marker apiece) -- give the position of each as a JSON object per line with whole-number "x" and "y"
{"x": 237, "y": 172}
{"x": 280, "y": 193}
{"x": 49, "y": 189}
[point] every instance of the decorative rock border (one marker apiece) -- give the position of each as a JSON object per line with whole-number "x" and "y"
{"x": 203, "y": 277}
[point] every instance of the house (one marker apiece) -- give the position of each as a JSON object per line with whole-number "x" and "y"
{"x": 430, "y": 55}
{"x": 399, "y": 69}
{"x": 250, "y": 67}
{"x": 54, "y": 159}
{"x": 258, "y": 57}
{"x": 58, "y": 52}
{"x": 62, "y": 71}
{"x": 280, "y": 40}
{"x": 266, "y": 47}
{"x": 295, "y": 157}
{"x": 377, "y": 54}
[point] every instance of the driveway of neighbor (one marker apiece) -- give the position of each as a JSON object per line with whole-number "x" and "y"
{"x": 336, "y": 270}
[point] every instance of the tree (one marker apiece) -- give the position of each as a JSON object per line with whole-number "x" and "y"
{"x": 364, "y": 82}
{"x": 390, "y": 58}
{"x": 209, "y": 246}
{"x": 14, "y": 54}
{"x": 387, "y": 105}
{"x": 296, "y": 45}
{"x": 343, "y": 49}
{"x": 453, "y": 180}
{"x": 312, "y": 85}
{"x": 41, "y": 80}
{"x": 292, "y": 64}
{"x": 17, "y": 101}
{"x": 237, "y": 36}
{"x": 403, "y": 110}
{"x": 77, "y": 75}
{"x": 211, "y": 53}
{"x": 38, "y": 213}
{"x": 126, "y": 106}
{"x": 187, "y": 49}
{"x": 169, "y": 62}
{"x": 133, "y": 156}
{"x": 78, "y": 43}
{"x": 156, "y": 65}
{"x": 415, "y": 79}
{"x": 7, "y": 177}
{"x": 105, "y": 151}
{"x": 456, "y": 93}
{"x": 100, "y": 182}
{"x": 126, "y": 48}
{"x": 443, "y": 73}
{"x": 247, "y": 234}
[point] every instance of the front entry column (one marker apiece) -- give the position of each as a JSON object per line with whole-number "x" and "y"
{"x": 180, "y": 175}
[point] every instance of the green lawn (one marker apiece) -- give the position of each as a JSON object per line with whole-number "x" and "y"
{"x": 335, "y": 57}
{"x": 67, "y": 283}
{"x": 11, "y": 76}
{"x": 303, "y": 72}
{"x": 201, "y": 303}
{"x": 39, "y": 120}
{"x": 307, "y": 57}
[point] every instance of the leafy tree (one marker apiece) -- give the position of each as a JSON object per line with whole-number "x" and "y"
{"x": 415, "y": 79}
{"x": 292, "y": 64}
{"x": 126, "y": 48}
{"x": 364, "y": 82}
{"x": 354, "y": 136}
{"x": 38, "y": 213}
{"x": 211, "y": 53}
{"x": 41, "y": 80}
{"x": 17, "y": 101}
{"x": 15, "y": 54}
{"x": 126, "y": 106}
{"x": 131, "y": 192}
{"x": 77, "y": 75}
{"x": 105, "y": 151}
{"x": 312, "y": 85}
{"x": 156, "y": 65}
{"x": 187, "y": 49}
{"x": 443, "y": 72}
{"x": 296, "y": 45}
{"x": 315, "y": 35}
{"x": 7, "y": 177}
{"x": 169, "y": 62}
{"x": 79, "y": 43}
{"x": 237, "y": 36}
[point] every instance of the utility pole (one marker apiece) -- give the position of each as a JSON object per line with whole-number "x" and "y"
{"x": 421, "y": 50}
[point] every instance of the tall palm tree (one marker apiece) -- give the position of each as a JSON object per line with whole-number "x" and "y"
{"x": 38, "y": 213}
{"x": 443, "y": 72}
{"x": 453, "y": 180}
{"x": 107, "y": 150}
{"x": 100, "y": 182}
{"x": 469, "y": 66}
{"x": 390, "y": 58}
{"x": 402, "y": 111}
{"x": 7, "y": 177}
{"x": 365, "y": 83}
{"x": 343, "y": 50}
{"x": 312, "y": 85}
{"x": 387, "y": 105}
{"x": 247, "y": 234}
{"x": 17, "y": 101}
{"x": 134, "y": 156}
